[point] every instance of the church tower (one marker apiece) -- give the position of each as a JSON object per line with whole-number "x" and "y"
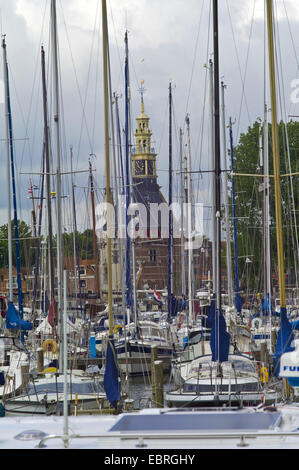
{"x": 151, "y": 251}
{"x": 146, "y": 189}
{"x": 144, "y": 158}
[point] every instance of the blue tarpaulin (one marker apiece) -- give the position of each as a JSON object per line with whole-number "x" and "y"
{"x": 13, "y": 321}
{"x": 284, "y": 340}
{"x": 220, "y": 338}
{"x": 111, "y": 376}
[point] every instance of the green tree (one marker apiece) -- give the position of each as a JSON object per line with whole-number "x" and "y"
{"x": 249, "y": 201}
{"x": 26, "y": 243}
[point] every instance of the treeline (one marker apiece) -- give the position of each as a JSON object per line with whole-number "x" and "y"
{"x": 28, "y": 244}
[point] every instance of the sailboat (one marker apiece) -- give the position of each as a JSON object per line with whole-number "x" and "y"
{"x": 45, "y": 392}
{"x": 133, "y": 346}
{"x": 225, "y": 376}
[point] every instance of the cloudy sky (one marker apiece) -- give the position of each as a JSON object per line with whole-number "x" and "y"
{"x": 169, "y": 41}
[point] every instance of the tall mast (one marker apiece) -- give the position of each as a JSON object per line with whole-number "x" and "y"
{"x": 267, "y": 222}
{"x": 275, "y": 151}
{"x": 33, "y": 212}
{"x": 127, "y": 161}
{"x": 183, "y": 277}
{"x": 75, "y": 238}
{"x": 217, "y": 158}
{"x": 58, "y": 178}
{"x": 107, "y": 162}
{"x": 8, "y": 175}
{"x": 212, "y": 145}
{"x": 9, "y": 137}
{"x": 190, "y": 225}
{"x": 47, "y": 166}
{"x": 120, "y": 212}
{"x": 237, "y": 294}
{"x": 170, "y": 241}
{"x": 95, "y": 245}
{"x": 226, "y": 207}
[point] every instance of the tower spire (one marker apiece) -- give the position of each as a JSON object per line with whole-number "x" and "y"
{"x": 141, "y": 91}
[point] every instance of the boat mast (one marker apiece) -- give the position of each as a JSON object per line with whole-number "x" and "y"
{"x": 58, "y": 180}
{"x": 237, "y": 294}
{"x": 267, "y": 254}
{"x": 8, "y": 176}
{"x": 120, "y": 212}
{"x": 47, "y": 166}
{"x": 12, "y": 174}
{"x": 217, "y": 214}
{"x": 95, "y": 245}
{"x": 190, "y": 224}
{"x": 183, "y": 277}
{"x": 275, "y": 151}
{"x": 226, "y": 207}
{"x": 170, "y": 235}
{"x": 212, "y": 145}
{"x": 107, "y": 163}
{"x": 75, "y": 238}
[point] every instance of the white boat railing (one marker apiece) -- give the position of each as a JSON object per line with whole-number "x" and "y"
{"x": 141, "y": 437}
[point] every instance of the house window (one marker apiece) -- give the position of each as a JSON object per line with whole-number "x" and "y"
{"x": 152, "y": 256}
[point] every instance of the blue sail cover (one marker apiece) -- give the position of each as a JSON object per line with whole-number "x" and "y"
{"x": 111, "y": 382}
{"x": 220, "y": 338}
{"x": 267, "y": 306}
{"x": 238, "y": 302}
{"x": 284, "y": 340}
{"x": 13, "y": 321}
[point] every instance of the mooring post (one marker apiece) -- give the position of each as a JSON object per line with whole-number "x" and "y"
{"x": 154, "y": 356}
{"x": 159, "y": 384}
{"x": 40, "y": 359}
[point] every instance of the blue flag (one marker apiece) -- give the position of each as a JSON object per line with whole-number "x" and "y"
{"x": 111, "y": 382}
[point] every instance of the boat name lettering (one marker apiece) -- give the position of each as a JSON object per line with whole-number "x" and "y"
{"x": 291, "y": 368}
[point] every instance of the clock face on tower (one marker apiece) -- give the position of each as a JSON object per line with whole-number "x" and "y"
{"x": 139, "y": 167}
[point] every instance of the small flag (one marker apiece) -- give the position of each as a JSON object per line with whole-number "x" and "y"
{"x": 157, "y": 298}
{"x": 30, "y": 191}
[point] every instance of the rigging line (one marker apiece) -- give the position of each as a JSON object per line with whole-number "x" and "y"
{"x": 115, "y": 37}
{"x": 194, "y": 57}
{"x": 287, "y": 149}
{"x": 238, "y": 61}
{"x": 291, "y": 34}
{"x": 37, "y": 67}
{"x": 293, "y": 43}
{"x": 246, "y": 65}
{"x": 96, "y": 89}
{"x": 201, "y": 134}
{"x": 83, "y": 104}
